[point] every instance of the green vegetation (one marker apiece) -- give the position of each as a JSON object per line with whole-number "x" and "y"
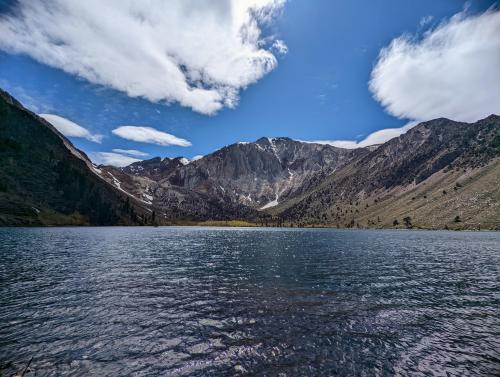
{"x": 407, "y": 222}
{"x": 229, "y": 223}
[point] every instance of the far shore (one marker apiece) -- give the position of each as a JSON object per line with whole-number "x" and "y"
{"x": 247, "y": 224}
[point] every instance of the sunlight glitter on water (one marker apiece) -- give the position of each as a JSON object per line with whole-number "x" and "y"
{"x": 201, "y": 301}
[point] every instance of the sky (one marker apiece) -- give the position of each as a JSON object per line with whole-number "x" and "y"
{"x": 126, "y": 79}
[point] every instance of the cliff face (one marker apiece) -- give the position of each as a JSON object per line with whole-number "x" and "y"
{"x": 237, "y": 180}
{"x": 256, "y": 174}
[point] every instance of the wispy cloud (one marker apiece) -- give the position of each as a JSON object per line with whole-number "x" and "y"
{"x": 322, "y": 98}
{"x": 131, "y": 152}
{"x": 113, "y": 159}
{"x": 197, "y": 53}
{"x": 378, "y": 137}
{"x": 453, "y": 71}
{"x": 70, "y": 128}
{"x": 36, "y": 103}
{"x": 280, "y": 47}
{"x": 426, "y": 20}
{"x": 149, "y": 135}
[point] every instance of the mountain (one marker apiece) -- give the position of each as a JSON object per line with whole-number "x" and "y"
{"x": 45, "y": 180}
{"x": 234, "y": 182}
{"x": 439, "y": 174}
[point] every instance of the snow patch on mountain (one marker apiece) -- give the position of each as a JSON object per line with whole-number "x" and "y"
{"x": 274, "y": 203}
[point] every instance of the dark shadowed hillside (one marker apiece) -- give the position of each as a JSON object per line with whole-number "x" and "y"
{"x": 44, "y": 180}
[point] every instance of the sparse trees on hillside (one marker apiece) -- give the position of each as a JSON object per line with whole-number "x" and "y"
{"x": 407, "y": 222}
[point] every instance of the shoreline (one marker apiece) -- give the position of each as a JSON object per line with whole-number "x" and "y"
{"x": 253, "y": 226}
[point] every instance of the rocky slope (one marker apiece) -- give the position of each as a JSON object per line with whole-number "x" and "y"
{"x": 44, "y": 180}
{"x": 439, "y": 174}
{"x": 286, "y": 182}
{"x": 234, "y": 182}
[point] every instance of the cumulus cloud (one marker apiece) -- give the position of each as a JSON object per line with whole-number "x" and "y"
{"x": 149, "y": 135}
{"x": 378, "y": 137}
{"x": 69, "y": 128}
{"x": 110, "y": 158}
{"x": 197, "y": 53}
{"x": 453, "y": 71}
{"x": 131, "y": 152}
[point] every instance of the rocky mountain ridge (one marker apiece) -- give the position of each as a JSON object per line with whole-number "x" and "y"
{"x": 298, "y": 182}
{"x": 253, "y": 175}
{"x": 439, "y": 174}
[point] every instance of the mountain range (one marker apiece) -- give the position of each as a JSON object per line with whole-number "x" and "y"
{"x": 439, "y": 174}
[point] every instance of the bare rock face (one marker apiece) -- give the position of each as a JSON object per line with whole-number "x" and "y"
{"x": 255, "y": 174}
{"x": 155, "y": 168}
{"x": 239, "y": 178}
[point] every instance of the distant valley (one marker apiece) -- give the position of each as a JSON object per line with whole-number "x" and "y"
{"x": 440, "y": 174}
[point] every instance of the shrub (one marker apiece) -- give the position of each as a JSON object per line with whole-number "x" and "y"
{"x": 407, "y": 222}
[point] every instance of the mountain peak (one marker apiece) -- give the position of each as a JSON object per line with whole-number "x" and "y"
{"x": 491, "y": 118}
{"x": 262, "y": 140}
{"x": 272, "y": 140}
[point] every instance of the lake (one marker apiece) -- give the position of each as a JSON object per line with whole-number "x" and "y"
{"x": 182, "y": 301}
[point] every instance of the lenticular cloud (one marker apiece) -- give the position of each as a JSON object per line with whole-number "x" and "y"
{"x": 453, "y": 71}
{"x": 197, "y": 53}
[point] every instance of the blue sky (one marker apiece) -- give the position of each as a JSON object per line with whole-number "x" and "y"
{"x": 319, "y": 89}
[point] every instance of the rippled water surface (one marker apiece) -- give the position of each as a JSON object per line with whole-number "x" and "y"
{"x": 222, "y": 302}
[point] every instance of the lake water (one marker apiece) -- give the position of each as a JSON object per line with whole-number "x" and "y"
{"x": 223, "y": 302}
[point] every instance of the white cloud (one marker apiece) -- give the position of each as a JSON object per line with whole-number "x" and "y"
{"x": 377, "y": 137}
{"x": 426, "y": 20}
{"x": 110, "y": 158}
{"x": 69, "y": 128}
{"x": 280, "y": 47}
{"x": 197, "y": 157}
{"x": 197, "y": 53}
{"x": 453, "y": 71}
{"x": 131, "y": 152}
{"x": 149, "y": 135}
